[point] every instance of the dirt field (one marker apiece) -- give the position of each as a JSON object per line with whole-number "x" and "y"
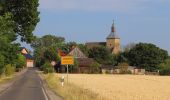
{"x": 124, "y": 87}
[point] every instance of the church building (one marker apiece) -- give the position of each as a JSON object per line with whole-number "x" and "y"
{"x": 112, "y": 42}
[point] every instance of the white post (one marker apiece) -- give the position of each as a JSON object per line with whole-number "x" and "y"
{"x": 67, "y": 74}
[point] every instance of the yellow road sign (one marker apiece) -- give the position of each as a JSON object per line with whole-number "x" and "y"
{"x": 67, "y": 60}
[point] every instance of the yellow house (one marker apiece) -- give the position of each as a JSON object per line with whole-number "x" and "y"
{"x": 29, "y": 58}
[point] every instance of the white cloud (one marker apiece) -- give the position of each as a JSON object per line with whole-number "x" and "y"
{"x": 95, "y": 5}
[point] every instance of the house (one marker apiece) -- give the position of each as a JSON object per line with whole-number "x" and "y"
{"x": 112, "y": 42}
{"x": 29, "y": 58}
{"x": 83, "y": 61}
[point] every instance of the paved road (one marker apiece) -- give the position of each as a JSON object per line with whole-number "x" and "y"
{"x": 27, "y": 87}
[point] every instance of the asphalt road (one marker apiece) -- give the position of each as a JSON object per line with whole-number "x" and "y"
{"x": 27, "y": 87}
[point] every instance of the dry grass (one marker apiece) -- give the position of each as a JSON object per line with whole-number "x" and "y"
{"x": 69, "y": 91}
{"x": 5, "y": 79}
{"x": 122, "y": 87}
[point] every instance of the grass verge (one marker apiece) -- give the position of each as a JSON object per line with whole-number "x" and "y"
{"x": 5, "y": 79}
{"x": 69, "y": 91}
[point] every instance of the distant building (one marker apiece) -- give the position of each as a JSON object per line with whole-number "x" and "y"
{"x": 29, "y": 58}
{"x": 83, "y": 61}
{"x": 112, "y": 42}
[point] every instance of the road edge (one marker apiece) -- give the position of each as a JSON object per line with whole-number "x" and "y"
{"x": 50, "y": 93}
{"x": 6, "y": 86}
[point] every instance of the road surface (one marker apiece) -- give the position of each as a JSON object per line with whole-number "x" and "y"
{"x": 28, "y": 86}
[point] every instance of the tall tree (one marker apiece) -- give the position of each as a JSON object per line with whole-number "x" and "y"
{"x": 147, "y": 56}
{"x": 102, "y": 55}
{"x": 25, "y": 15}
{"x": 46, "y": 41}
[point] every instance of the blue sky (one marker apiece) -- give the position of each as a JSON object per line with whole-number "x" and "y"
{"x": 90, "y": 20}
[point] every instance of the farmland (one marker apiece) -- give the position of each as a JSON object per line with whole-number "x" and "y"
{"x": 123, "y": 87}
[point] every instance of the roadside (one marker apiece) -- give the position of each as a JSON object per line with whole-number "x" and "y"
{"x": 69, "y": 91}
{"x": 8, "y": 81}
{"x": 50, "y": 92}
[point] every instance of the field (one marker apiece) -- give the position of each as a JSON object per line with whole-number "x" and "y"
{"x": 123, "y": 87}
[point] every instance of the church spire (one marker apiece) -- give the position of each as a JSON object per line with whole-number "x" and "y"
{"x": 113, "y": 27}
{"x": 112, "y": 34}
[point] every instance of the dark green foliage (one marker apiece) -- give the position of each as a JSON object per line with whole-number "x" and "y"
{"x": 102, "y": 55}
{"x": 147, "y": 56}
{"x": 84, "y": 49}
{"x": 165, "y": 67}
{"x": 95, "y": 68}
{"x": 47, "y": 67}
{"x": 1, "y": 64}
{"x": 47, "y": 41}
{"x": 45, "y": 49}
{"x": 51, "y": 54}
{"x": 25, "y": 16}
{"x": 21, "y": 61}
{"x": 165, "y": 71}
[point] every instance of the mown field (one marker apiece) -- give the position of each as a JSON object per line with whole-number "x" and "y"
{"x": 123, "y": 87}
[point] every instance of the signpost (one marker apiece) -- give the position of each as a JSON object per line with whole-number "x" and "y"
{"x": 67, "y": 60}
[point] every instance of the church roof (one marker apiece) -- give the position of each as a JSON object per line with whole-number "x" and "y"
{"x": 113, "y": 34}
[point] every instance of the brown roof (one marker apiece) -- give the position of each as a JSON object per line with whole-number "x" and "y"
{"x": 95, "y": 44}
{"x": 85, "y": 62}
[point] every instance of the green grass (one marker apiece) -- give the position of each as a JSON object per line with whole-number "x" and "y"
{"x": 69, "y": 91}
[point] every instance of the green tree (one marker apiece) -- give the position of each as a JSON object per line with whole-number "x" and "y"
{"x": 165, "y": 67}
{"x": 21, "y": 61}
{"x": 84, "y": 49}
{"x": 50, "y": 54}
{"x": 102, "y": 55}
{"x": 95, "y": 68}
{"x": 123, "y": 68}
{"x": 47, "y": 40}
{"x": 1, "y": 64}
{"x": 25, "y": 16}
{"x": 147, "y": 56}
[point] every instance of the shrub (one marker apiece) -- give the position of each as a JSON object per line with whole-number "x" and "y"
{"x": 95, "y": 68}
{"x": 1, "y": 64}
{"x": 9, "y": 70}
{"x": 123, "y": 68}
{"x": 47, "y": 67}
{"x": 21, "y": 61}
{"x": 165, "y": 71}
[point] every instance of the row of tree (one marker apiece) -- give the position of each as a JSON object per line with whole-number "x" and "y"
{"x": 18, "y": 18}
{"x": 141, "y": 55}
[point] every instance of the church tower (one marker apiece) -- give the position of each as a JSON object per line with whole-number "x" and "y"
{"x": 113, "y": 41}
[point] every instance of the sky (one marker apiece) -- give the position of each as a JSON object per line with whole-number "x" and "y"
{"x": 90, "y": 20}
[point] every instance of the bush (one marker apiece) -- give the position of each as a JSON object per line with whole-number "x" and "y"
{"x": 48, "y": 68}
{"x": 165, "y": 71}
{"x": 9, "y": 70}
{"x": 21, "y": 61}
{"x": 1, "y": 64}
{"x": 95, "y": 68}
{"x": 123, "y": 68}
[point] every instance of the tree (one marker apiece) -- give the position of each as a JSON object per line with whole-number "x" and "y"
{"x": 165, "y": 67}
{"x": 148, "y": 56}
{"x": 123, "y": 68}
{"x": 47, "y": 40}
{"x": 84, "y": 49}
{"x": 25, "y": 16}
{"x": 1, "y": 64}
{"x": 50, "y": 54}
{"x": 95, "y": 68}
{"x": 21, "y": 61}
{"x": 102, "y": 55}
